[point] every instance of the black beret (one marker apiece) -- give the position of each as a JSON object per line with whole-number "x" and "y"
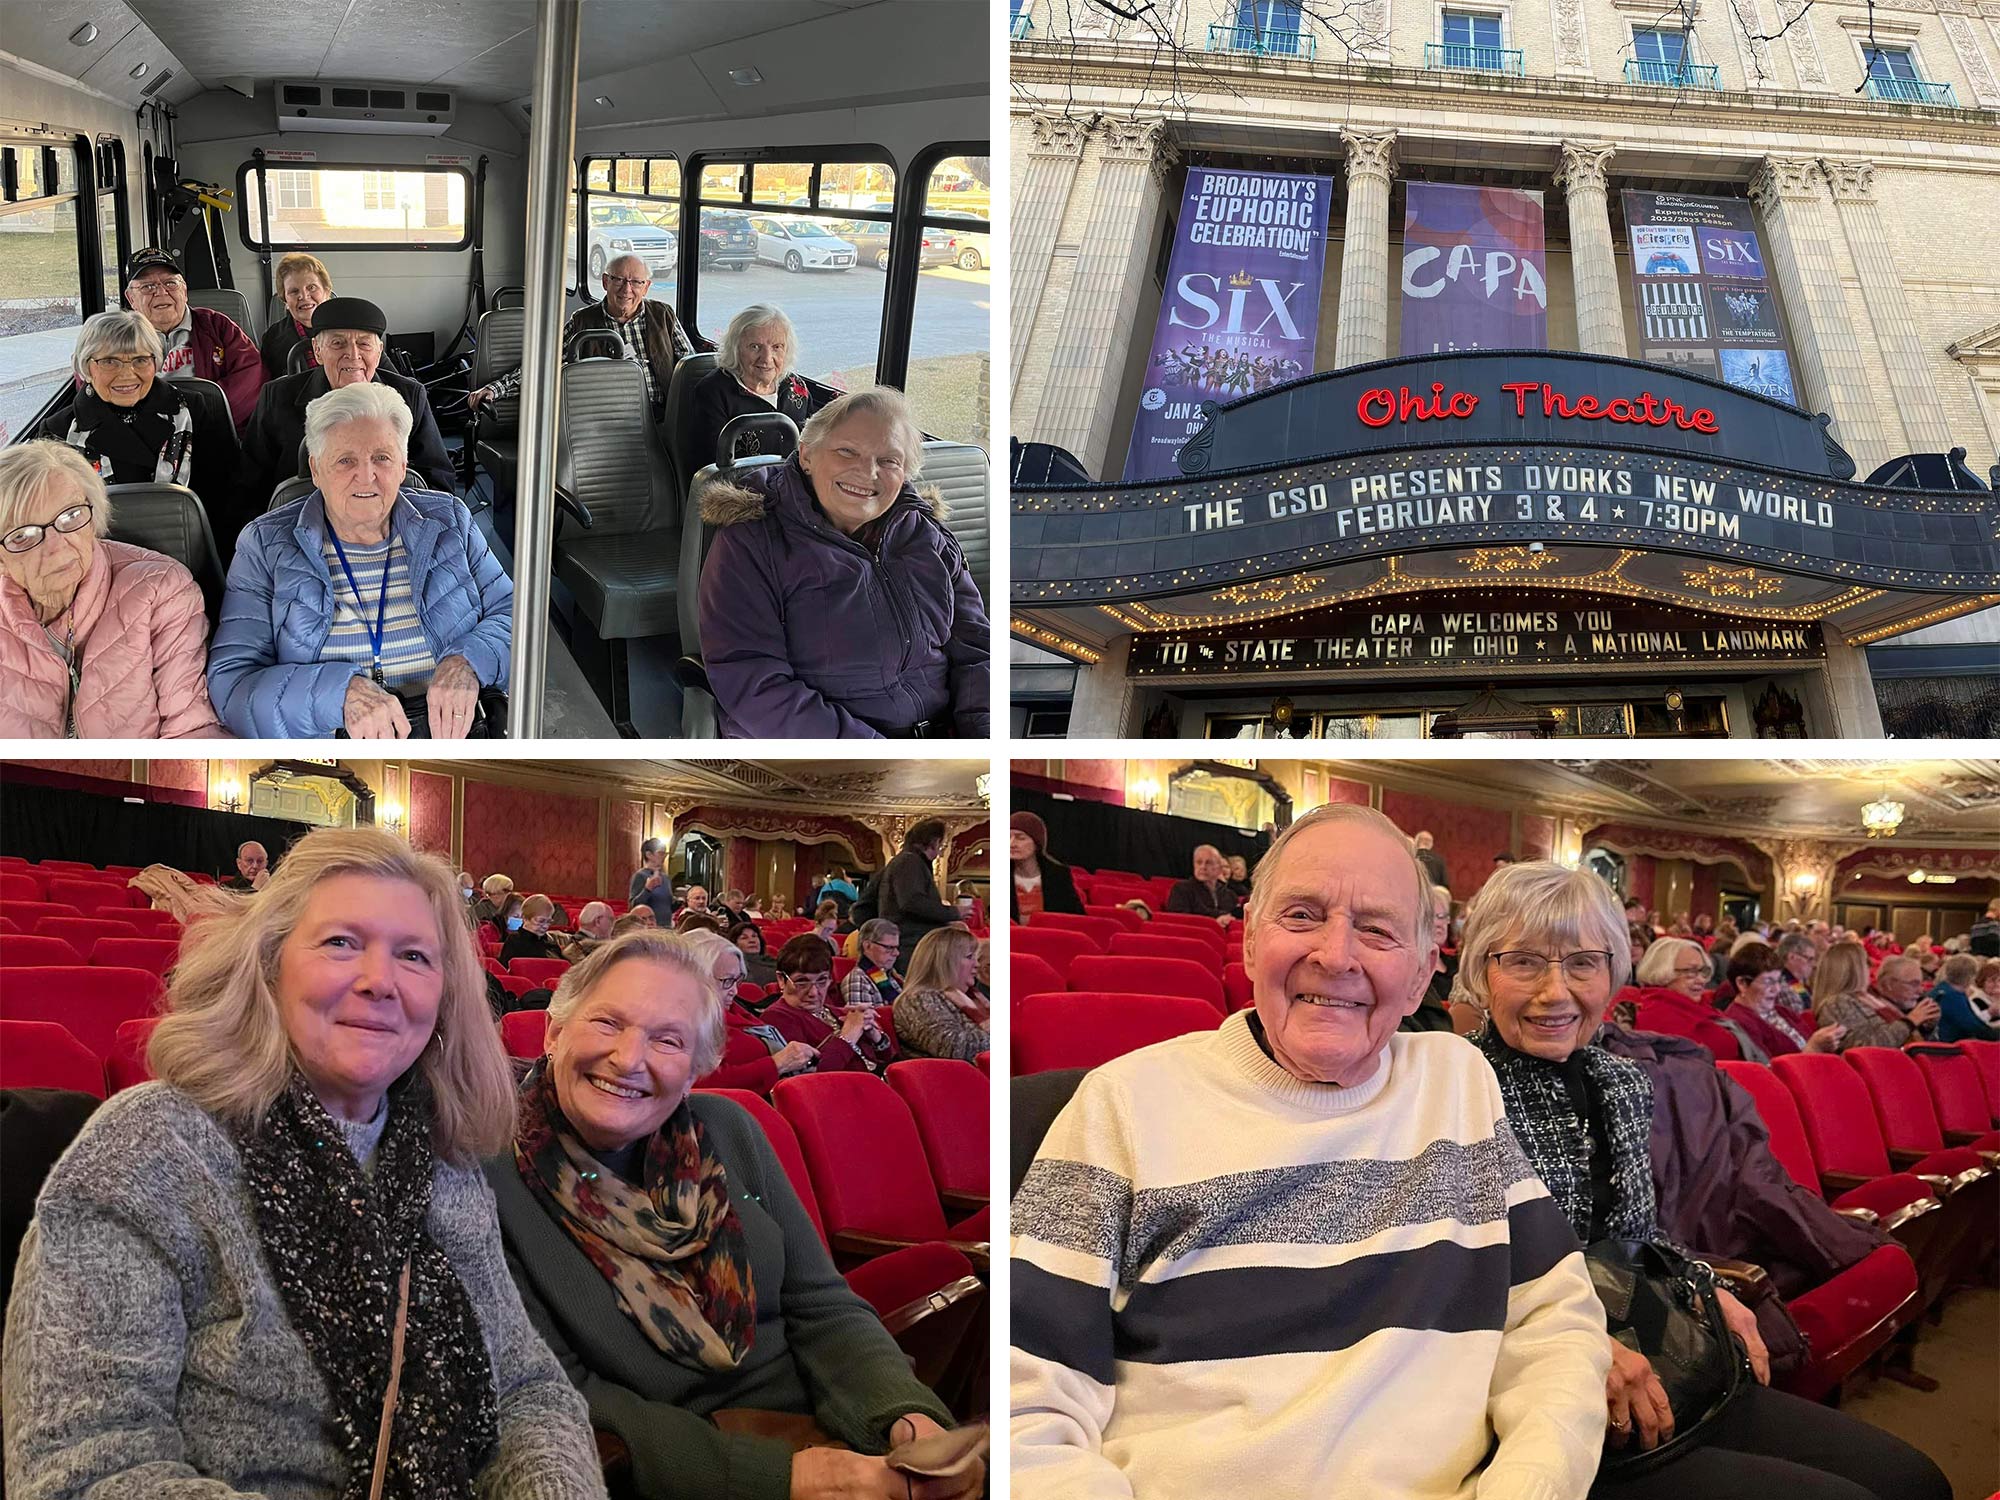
{"x": 355, "y": 313}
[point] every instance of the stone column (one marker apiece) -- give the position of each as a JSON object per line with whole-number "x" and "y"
{"x": 1102, "y": 707}
{"x": 1053, "y": 155}
{"x": 1600, "y": 318}
{"x": 1080, "y": 400}
{"x": 1850, "y": 687}
{"x": 1791, "y": 196}
{"x": 1924, "y": 426}
{"x": 1363, "y": 331}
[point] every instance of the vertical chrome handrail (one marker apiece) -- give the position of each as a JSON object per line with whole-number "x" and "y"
{"x": 551, "y": 141}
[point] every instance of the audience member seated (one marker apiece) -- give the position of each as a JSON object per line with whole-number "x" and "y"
{"x": 753, "y": 374}
{"x": 222, "y": 1264}
{"x": 347, "y": 342}
{"x": 1206, "y": 893}
{"x": 838, "y": 889}
{"x": 1545, "y": 949}
{"x": 873, "y": 979}
{"x": 755, "y": 1054}
{"x": 661, "y": 1252}
{"x": 494, "y": 891}
{"x": 939, "y": 1012}
{"x": 696, "y": 903}
{"x": 1985, "y": 998}
{"x": 1434, "y": 1012}
{"x": 648, "y": 333}
{"x": 253, "y": 868}
{"x": 361, "y": 591}
{"x": 1798, "y": 955}
{"x": 826, "y": 925}
{"x": 1041, "y": 881}
{"x": 507, "y": 918}
{"x": 1952, "y": 994}
{"x": 98, "y": 639}
{"x": 834, "y": 602}
{"x": 1672, "y": 978}
{"x": 1759, "y": 979}
{"x": 304, "y": 282}
{"x": 531, "y": 939}
{"x": 136, "y": 428}
{"x": 196, "y": 341}
{"x": 851, "y": 1040}
{"x": 637, "y": 917}
{"x": 1893, "y": 1014}
{"x": 749, "y": 940}
{"x": 1239, "y": 877}
{"x": 593, "y": 930}
{"x": 1262, "y": 1211}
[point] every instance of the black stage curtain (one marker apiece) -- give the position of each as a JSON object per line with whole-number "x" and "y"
{"x": 1098, "y": 835}
{"x": 45, "y": 823}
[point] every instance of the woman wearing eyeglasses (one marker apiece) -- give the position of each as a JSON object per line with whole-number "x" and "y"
{"x": 98, "y": 639}
{"x": 1671, "y": 980}
{"x": 1545, "y": 948}
{"x": 850, "y": 1039}
{"x": 136, "y": 428}
{"x": 1757, "y": 981}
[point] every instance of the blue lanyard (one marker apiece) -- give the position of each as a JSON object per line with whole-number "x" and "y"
{"x": 375, "y": 635}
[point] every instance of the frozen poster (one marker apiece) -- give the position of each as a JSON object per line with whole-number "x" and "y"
{"x": 1241, "y": 310}
{"x": 1474, "y": 269}
{"x": 1763, "y": 372}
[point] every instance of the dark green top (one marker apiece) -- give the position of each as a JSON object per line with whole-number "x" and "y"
{"x": 819, "y": 1349}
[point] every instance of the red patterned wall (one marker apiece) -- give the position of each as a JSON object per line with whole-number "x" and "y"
{"x": 182, "y": 775}
{"x": 430, "y": 814}
{"x": 739, "y": 865}
{"x": 1108, "y": 774}
{"x": 1538, "y": 836}
{"x": 1467, "y": 837}
{"x": 1707, "y": 896}
{"x": 1639, "y": 873}
{"x": 1340, "y": 789}
{"x": 628, "y": 831}
{"x": 543, "y": 840}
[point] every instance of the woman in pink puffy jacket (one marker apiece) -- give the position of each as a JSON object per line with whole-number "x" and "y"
{"x": 98, "y": 639}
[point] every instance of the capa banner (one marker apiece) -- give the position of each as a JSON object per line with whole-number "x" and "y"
{"x": 1241, "y": 310}
{"x": 1474, "y": 269}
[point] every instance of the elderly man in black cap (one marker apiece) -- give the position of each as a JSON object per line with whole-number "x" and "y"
{"x": 348, "y": 336}
{"x": 199, "y": 340}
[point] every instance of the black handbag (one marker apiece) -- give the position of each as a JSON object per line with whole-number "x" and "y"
{"x": 1666, "y": 1308}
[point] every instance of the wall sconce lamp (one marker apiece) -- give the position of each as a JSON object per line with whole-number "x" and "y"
{"x": 390, "y": 815}
{"x": 229, "y": 795}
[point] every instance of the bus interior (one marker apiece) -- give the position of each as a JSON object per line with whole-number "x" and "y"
{"x": 830, "y": 157}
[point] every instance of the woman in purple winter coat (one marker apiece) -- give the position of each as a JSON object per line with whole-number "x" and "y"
{"x": 834, "y": 603}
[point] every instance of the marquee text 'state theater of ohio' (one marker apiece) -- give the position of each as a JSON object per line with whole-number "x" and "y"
{"x": 1420, "y": 385}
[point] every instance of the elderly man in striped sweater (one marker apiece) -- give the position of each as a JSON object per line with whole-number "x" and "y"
{"x": 1303, "y": 1255}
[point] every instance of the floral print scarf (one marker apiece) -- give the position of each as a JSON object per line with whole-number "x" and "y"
{"x": 672, "y": 1247}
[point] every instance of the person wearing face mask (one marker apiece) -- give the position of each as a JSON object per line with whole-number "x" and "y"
{"x": 648, "y": 333}
{"x": 531, "y": 939}
{"x": 507, "y": 919}
{"x": 1303, "y": 1244}
{"x": 303, "y": 282}
{"x": 98, "y": 639}
{"x": 661, "y": 1251}
{"x": 228, "y": 1263}
{"x": 197, "y": 341}
{"x": 1544, "y": 951}
{"x": 136, "y": 428}
{"x": 754, "y": 373}
{"x": 348, "y": 342}
{"x": 834, "y": 601}
{"x": 468, "y": 889}
{"x": 343, "y": 602}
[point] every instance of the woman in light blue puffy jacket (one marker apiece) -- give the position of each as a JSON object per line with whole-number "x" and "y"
{"x": 364, "y": 594}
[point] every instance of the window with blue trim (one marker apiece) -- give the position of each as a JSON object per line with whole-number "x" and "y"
{"x": 1472, "y": 29}
{"x": 1898, "y": 63}
{"x": 1652, "y": 45}
{"x": 1269, "y": 25}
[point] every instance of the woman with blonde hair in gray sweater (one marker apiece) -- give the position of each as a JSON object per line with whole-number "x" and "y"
{"x": 278, "y": 1268}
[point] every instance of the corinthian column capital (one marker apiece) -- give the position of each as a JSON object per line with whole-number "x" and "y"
{"x": 1370, "y": 155}
{"x": 1584, "y": 165}
{"x": 1853, "y": 181}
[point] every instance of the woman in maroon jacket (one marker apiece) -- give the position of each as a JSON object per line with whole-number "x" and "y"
{"x": 852, "y": 1039}
{"x": 1758, "y": 981}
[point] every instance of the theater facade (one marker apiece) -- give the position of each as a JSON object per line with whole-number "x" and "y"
{"x": 1569, "y": 370}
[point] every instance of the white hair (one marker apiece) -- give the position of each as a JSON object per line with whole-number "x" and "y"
{"x": 1538, "y": 902}
{"x": 729, "y": 348}
{"x": 656, "y": 945}
{"x": 367, "y": 402}
{"x": 116, "y": 333}
{"x": 881, "y": 401}
{"x": 27, "y": 468}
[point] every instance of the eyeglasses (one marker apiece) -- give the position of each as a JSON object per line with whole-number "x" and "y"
{"x": 28, "y": 538}
{"x": 807, "y": 981}
{"x": 1525, "y": 966}
{"x": 159, "y": 287}
{"x": 112, "y": 362}
{"x": 1687, "y": 969}
{"x": 628, "y": 280}
{"x": 360, "y": 343}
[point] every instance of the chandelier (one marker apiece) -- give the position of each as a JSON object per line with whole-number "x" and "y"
{"x": 1881, "y": 818}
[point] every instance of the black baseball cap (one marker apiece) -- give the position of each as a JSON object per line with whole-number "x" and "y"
{"x": 147, "y": 259}
{"x": 356, "y": 314}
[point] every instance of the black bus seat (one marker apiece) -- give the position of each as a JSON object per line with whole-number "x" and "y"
{"x": 958, "y": 472}
{"x": 170, "y": 519}
{"x": 231, "y": 303}
{"x": 496, "y": 436}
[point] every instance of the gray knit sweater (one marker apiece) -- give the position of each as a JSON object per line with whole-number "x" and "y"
{"x": 148, "y": 1353}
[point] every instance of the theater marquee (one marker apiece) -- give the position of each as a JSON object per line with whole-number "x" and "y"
{"x": 1475, "y": 630}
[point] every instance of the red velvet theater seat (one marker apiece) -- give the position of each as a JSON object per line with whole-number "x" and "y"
{"x": 89, "y": 1001}
{"x": 127, "y": 1065}
{"x": 543, "y": 973}
{"x": 43, "y": 1055}
{"x": 1185, "y": 924}
{"x": 1088, "y": 1030}
{"x": 1174, "y": 944}
{"x": 156, "y": 924}
{"x": 1126, "y": 974}
{"x": 1986, "y": 1057}
{"x": 523, "y": 1032}
{"x": 1237, "y": 990}
{"x": 950, "y": 1104}
{"x": 30, "y": 950}
{"x": 1127, "y": 919}
{"x": 155, "y": 955}
{"x": 1055, "y": 946}
{"x": 1029, "y": 975}
{"x": 81, "y": 932}
{"x": 1100, "y": 929}
{"x": 92, "y": 895}
{"x": 1904, "y": 1111}
{"x": 1958, "y": 1096}
{"x": 19, "y": 886}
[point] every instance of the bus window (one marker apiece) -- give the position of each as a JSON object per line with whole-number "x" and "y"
{"x": 779, "y": 225}
{"x": 951, "y": 337}
{"x": 634, "y": 204}
{"x": 356, "y": 208}
{"x": 41, "y": 267}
